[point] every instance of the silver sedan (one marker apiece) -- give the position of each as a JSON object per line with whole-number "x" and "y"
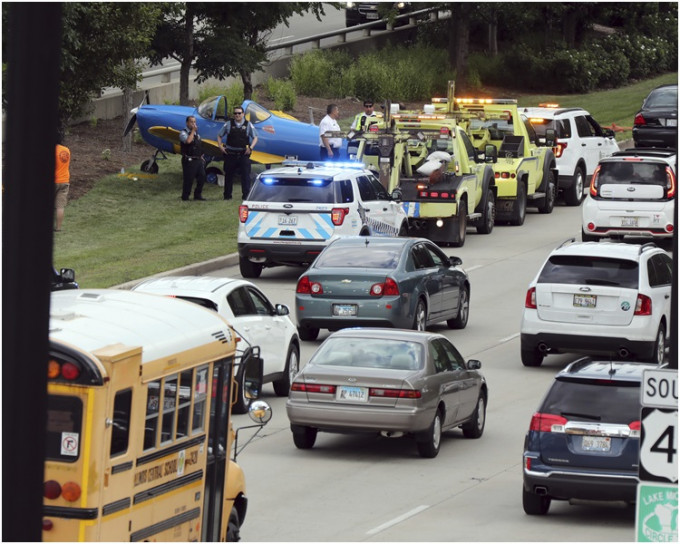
{"x": 388, "y": 381}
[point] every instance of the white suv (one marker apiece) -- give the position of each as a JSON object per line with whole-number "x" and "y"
{"x": 608, "y": 299}
{"x": 632, "y": 193}
{"x": 292, "y": 213}
{"x": 580, "y": 144}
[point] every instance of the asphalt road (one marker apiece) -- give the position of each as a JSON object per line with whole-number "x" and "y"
{"x": 368, "y": 488}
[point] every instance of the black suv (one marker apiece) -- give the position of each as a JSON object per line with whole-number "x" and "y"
{"x": 584, "y": 441}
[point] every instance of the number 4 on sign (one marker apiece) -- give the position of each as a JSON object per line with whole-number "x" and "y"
{"x": 659, "y": 445}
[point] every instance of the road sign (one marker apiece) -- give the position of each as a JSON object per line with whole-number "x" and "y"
{"x": 659, "y": 445}
{"x": 656, "y": 516}
{"x": 660, "y": 388}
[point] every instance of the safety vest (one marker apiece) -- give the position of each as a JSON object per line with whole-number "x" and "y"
{"x": 192, "y": 149}
{"x": 359, "y": 122}
{"x": 237, "y": 138}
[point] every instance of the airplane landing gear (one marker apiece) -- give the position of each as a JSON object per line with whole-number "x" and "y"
{"x": 150, "y": 166}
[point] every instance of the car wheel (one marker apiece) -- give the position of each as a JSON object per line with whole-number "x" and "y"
{"x": 149, "y": 166}
{"x": 212, "y": 175}
{"x": 474, "y": 428}
{"x": 531, "y": 357}
{"x": 461, "y": 223}
{"x": 242, "y": 402}
{"x": 519, "y": 210}
{"x": 429, "y": 446}
{"x": 547, "y": 203}
{"x": 460, "y": 321}
{"x": 574, "y": 195}
{"x": 585, "y": 237}
{"x": 248, "y": 269}
{"x": 282, "y": 386}
{"x": 308, "y": 333}
{"x": 303, "y": 437}
{"x": 659, "y": 346}
{"x": 535, "y": 505}
{"x": 420, "y": 317}
{"x": 234, "y": 527}
{"x": 488, "y": 215}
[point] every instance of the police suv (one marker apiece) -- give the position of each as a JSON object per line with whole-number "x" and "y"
{"x": 292, "y": 213}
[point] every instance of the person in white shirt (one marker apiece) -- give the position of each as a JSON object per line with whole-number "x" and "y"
{"x": 329, "y": 148}
{"x": 360, "y": 121}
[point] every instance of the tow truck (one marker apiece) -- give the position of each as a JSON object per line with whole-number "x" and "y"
{"x": 525, "y": 173}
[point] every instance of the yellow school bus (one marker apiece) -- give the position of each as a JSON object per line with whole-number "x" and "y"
{"x": 139, "y": 434}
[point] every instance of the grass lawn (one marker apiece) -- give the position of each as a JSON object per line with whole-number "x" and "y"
{"x": 126, "y": 229}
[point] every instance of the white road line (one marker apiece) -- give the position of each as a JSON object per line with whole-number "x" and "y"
{"x": 508, "y": 338}
{"x": 398, "y": 519}
{"x": 473, "y": 267}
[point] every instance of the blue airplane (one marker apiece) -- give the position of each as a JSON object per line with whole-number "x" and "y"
{"x": 279, "y": 135}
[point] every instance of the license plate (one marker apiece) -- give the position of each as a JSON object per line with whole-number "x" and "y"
{"x": 629, "y": 221}
{"x": 288, "y": 220}
{"x": 585, "y": 301}
{"x": 596, "y": 443}
{"x": 671, "y": 122}
{"x": 352, "y": 394}
{"x": 343, "y": 310}
{"x": 371, "y": 15}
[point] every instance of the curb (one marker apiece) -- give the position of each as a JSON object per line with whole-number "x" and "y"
{"x": 195, "y": 269}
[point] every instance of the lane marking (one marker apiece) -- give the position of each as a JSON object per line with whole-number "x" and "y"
{"x": 508, "y": 338}
{"x": 475, "y": 267}
{"x": 398, "y": 519}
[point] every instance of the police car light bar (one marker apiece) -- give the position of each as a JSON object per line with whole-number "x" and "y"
{"x": 322, "y": 164}
{"x": 548, "y": 105}
{"x": 486, "y": 100}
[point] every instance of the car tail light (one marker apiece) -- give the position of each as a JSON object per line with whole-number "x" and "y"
{"x": 635, "y": 428}
{"x": 639, "y": 120}
{"x": 313, "y": 388}
{"x": 47, "y": 525}
{"x": 530, "y": 300}
{"x": 590, "y": 227}
{"x": 306, "y": 287}
{"x": 593, "y": 182}
{"x": 504, "y": 175}
{"x": 242, "y": 213}
{"x": 338, "y": 215}
{"x": 70, "y": 491}
{"x": 388, "y": 288}
{"x": 559, "y": 148}
{"x": 670, "y": 227}
{"x": 51, "y": 489}
{"x": 670, "y": 182}
{"x": 394, "y": 393}
{"x": 547, "y": 423}
{"x": 643, "y": 306}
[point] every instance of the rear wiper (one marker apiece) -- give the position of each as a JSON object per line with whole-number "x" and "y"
{"x": 585, "y": 416}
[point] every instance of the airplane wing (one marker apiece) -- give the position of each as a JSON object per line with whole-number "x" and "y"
{"x": 210, "y": 147}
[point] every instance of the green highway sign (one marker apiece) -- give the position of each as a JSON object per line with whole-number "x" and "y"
{"x": 656, "y": 518}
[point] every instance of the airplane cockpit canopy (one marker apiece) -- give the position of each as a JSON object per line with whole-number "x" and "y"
{"x": 256, "y": 113}
{"x": 214, "y": 108}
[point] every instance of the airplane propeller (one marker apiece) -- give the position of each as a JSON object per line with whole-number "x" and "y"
{"x": 133, "y": 119}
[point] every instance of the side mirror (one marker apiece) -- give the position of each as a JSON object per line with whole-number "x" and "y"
{"x": 397, "y": 195}
{"x": 252, "y": 375}
{"x": 550, "y": 137}
{"x": 67, "y": 274}
{"x": 282, "y": 309}
{"x": 473, "y": 364}
{"x": 490, "y": 153}
{"x": 609, "y": 133}
{"x": 260, "y": 412}
{"x": 455, "y": 261}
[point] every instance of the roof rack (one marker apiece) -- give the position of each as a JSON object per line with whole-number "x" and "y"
{"x": 567, "y": 241}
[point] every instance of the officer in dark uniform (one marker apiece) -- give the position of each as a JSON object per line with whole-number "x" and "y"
{"x": 240, "y": 141}
{"x": 193, "y": 165}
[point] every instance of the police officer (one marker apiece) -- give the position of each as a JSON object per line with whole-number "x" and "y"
{"x": 359, "y": 122}
{"x": 193, "y": 165}
{"x": 240, "y": 142}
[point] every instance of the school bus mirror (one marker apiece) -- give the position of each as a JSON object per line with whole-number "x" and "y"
{"x": 252, "y": 377}
{"x": 260, "y": 412}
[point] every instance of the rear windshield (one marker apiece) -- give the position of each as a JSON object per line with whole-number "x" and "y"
{"x": 64, "y": 424}
{"x": 609, "y": 402}
{"x": 627, "y": 172}
{"x": 562, "y": 127}
{"x": 359, "y": 257}
{"x": 579, "y": 270}
{"x": 370, "y": 353}
{"x": 320, "y": 190}
{"x": 663, "y": 98}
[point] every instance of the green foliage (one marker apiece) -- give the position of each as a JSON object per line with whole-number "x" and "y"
{"x": 282, "y": 91}
{"x": 106, "y": 154}
{"x": 319, "y": 73}
{"x": 206, "y": 91}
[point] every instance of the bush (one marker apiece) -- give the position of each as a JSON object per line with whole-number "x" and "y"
{"x": 319, "y": 73}
{"x": 282, "y": 92}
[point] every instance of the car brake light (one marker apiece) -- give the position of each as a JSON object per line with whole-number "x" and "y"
{"x": 639, "y": 120}
{"x": 547, "y": 423}
{"x": 242, "y": 213}
{"x": 51, "y": 489}
{"x": 530, "y": 300}
{"x": 635, "y": 428}
{"x": 559, "y": 148}
{"x": 394, "y": 393}
{"x": 338, "y": 215}
{"x": 306, "y": 287}
{"x": 670, "y": 182}
{"x": 312, "y": 388}
{"x": 388, "y": 288}
{"x": 593, "y": 182}
{"x": 643, "y": 306}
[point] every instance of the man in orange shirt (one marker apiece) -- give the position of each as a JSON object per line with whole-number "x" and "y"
{"x": 62, "y": 178}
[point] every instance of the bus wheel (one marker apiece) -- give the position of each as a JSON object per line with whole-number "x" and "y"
{"x": 234, "y": 527}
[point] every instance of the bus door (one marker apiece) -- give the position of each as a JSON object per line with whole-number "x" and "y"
{"x": 218, "y": 454}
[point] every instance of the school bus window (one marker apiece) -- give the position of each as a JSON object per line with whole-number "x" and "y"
{"x": 64, "y": 423}
{"x": 200, "y": 397}
{"x": 169, "y": 404}
{"x": 151, "y": 423}
{"x": 120, "y": 429}
{"x": 184, "y": 404}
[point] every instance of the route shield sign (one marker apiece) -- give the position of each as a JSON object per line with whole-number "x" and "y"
{"x": 656, "y": 519}
{"x": 659, "y": 445}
